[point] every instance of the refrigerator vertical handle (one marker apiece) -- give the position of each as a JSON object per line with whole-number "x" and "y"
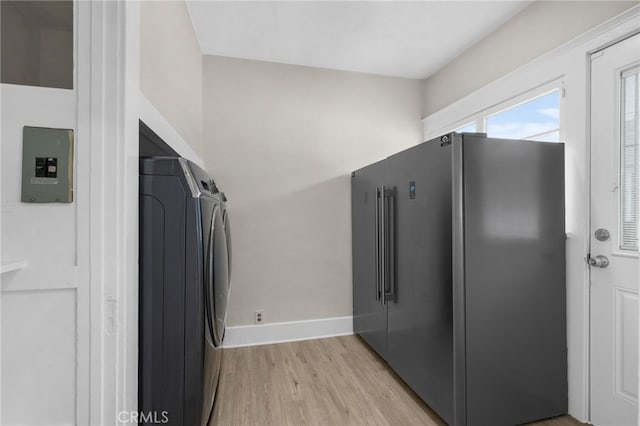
{"x": 377, "y": 224}
{"x": 383, "y": 245}
{"x": 390, "y": 242}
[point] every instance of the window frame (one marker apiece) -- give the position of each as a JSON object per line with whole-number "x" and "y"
{"x": 74, "y": 56}
{"x": 480, "y": 117}
{"x": 618, "y": 163}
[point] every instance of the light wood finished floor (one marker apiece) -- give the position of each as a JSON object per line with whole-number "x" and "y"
{"x": 337, "y": 381}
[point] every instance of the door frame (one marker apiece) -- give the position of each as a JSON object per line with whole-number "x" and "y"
{"x": 107, "y": 75}
{"x": 588, "y": 188}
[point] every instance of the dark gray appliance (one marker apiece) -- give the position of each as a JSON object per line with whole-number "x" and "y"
{"x": 459, "y": 275}
{"x": 184, "y": 281}
{"x": 152, "y": 145}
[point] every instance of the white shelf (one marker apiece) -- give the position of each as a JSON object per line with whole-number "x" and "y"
{"x": 12, "y": 265}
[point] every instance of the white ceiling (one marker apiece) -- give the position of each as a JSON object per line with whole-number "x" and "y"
{"x": 393, "y": 38}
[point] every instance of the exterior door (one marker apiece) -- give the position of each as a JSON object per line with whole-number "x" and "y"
{"x": 369, "y": 311}
{"x": 614, "y": 234}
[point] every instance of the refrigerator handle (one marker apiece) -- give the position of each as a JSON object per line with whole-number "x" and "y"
{"x": 383, "y": 245}
{"x": 377, "y": 222}
{"x": 390, "y": 202}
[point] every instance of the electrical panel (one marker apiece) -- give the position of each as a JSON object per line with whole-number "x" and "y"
{"x": 47, "y": 165}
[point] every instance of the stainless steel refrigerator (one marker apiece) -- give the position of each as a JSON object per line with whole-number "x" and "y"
{"x": 459, "y": 275}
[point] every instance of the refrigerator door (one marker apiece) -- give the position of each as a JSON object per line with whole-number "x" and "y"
{"x": 420, "y": 316}
{"x": 513, "y": 315}
{"x": 369, "y": 312}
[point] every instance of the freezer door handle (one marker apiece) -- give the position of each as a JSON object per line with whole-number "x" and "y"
{"x": 390, "y": 244}
{"x": 383, "y": 245}
{"x": 377, "y": 224}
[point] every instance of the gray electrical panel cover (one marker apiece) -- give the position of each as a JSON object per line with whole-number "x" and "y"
{"x": 47, "y": 165}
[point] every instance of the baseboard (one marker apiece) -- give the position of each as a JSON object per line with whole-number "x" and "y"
{"x": 264, "y": 334}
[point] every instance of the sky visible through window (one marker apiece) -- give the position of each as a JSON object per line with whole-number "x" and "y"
{"x": 469, "y": 128}
{"x": 538, "y": 119}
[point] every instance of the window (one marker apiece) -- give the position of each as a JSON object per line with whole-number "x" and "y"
{"x": 537, "y": 119}
{"x": 37, "y": 43}
{"x": 534, "y": 115}
{"x": 469, "y": 128}
{"x": 629, "y": 140}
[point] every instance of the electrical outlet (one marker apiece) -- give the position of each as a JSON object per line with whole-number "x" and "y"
{"x": 258, "y": 316}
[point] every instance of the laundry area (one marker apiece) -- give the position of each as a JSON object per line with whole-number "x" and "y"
{"x": 221, "y": 213}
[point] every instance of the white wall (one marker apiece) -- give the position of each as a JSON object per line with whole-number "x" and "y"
{"x": 539, "y": 28}
{"x": 171, "y": 68}
{"x": 567, "y": 64}
{"x": 38, "y": 302}
{"x": 281, "y": 142}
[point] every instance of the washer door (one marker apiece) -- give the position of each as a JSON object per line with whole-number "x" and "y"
{"x": 227, "y": 232}
{"x": 216, "y": 295}
{"x": 219, "y": 281}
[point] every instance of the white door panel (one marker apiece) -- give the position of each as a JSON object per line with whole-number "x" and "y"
{"x": 614, "y": 208}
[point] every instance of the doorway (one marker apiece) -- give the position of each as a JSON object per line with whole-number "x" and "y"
{"x": 615, "y": 168}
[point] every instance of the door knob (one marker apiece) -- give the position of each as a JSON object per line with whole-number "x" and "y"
{"x": 599, "y": 261}
{"x": 602, "y": 234}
